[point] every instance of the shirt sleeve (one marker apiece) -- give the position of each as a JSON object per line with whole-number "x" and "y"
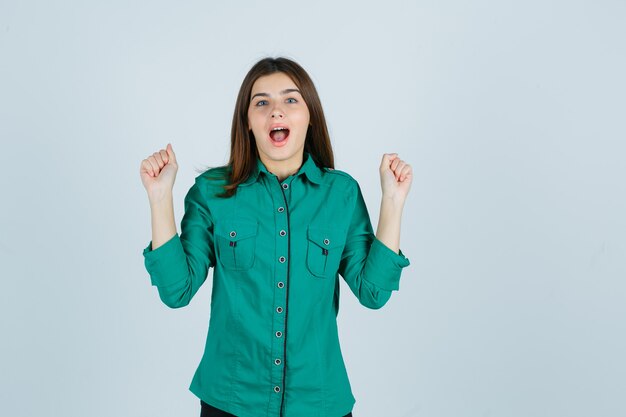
{"x": 370, "y": 268}
{"x": 180, "y": 266}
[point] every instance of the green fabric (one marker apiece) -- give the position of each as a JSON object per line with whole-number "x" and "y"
{"x": 327, "y": 231}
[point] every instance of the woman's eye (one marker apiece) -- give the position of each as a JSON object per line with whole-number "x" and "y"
{"x": 294, "y": 100}
{"x": 261, "y": 102}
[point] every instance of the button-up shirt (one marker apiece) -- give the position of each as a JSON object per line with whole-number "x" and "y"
{"x": 277, "y": 249}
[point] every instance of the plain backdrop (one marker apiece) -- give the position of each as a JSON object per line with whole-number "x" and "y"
{"x": 510, "y": 112}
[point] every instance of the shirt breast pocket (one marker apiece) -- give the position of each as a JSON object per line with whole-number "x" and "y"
{"x": 236, "y": 243}
{"x": 324, "y": 249}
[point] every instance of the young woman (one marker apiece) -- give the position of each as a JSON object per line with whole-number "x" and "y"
{"x": 279, "y": 225}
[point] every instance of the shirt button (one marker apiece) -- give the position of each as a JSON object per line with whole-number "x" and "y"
{"x": 277, "y": 361}
{"x": 326, "y": 241}
{"x": 283, "y": 233}
{"x": 233, "y": 234}
{"x": 279, "y": 334}
{"x": 282, "y": 259}
{"x": 281, "y": 209}
{"x": 281, "y": 284}
{"x": 279, "y": 309}
{"x": 285, "y": 186}
{"x": 276, "y": 389}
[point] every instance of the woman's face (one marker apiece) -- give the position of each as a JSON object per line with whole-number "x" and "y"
{"x": 279, "y": 119}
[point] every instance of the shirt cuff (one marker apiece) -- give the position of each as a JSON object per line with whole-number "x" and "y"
{"x": 385, "y": 266}
{"x": 166, "y": 264}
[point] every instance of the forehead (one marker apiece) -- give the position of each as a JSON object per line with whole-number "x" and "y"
{"x": 273, "y": 83}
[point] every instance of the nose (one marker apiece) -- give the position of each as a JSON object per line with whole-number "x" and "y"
{"x": 277, "y": 113}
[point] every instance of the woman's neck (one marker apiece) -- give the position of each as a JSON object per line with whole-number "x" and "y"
{"x": 283, "y": 169}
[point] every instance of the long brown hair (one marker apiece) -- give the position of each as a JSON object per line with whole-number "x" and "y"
{"x": 243, "y": 149}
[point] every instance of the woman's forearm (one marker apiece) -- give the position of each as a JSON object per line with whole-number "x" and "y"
{"x": 163, "y": 224}
{"x": 388, "y": 231}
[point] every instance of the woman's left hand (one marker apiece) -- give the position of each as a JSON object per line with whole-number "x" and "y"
{"x": 395, "y": 177}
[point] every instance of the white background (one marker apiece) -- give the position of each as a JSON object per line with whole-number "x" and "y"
{"x": 511, "y": 114}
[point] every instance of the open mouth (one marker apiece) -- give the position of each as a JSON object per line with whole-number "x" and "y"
{"x": 279, "y": 134}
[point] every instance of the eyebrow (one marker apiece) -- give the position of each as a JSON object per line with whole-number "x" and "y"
{"x": 286, "y": 91}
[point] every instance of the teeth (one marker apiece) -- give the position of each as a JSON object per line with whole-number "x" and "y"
{"x": 279, "y": 128}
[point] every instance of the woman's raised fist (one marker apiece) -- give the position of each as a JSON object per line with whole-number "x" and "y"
{"x": 158, "y": 173}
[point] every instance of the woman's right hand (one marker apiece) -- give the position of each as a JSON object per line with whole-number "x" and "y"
{"x": 158, "y": 173}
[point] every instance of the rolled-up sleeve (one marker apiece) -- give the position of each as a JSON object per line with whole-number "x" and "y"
{"x": 384, "y": 266}
{"x": 180, "y": 266}
{"x": 370, "y": 268}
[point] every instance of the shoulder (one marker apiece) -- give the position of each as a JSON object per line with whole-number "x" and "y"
{"x": 338, "y": 179}
{"x": 337, "y": 175}
{"x": 212, "y": 180}
{"x": 215, "y": 174}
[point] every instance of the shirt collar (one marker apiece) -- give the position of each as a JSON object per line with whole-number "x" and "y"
{"x": 308, "y": 168}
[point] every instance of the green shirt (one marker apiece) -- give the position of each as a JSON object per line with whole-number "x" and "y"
{"x": 277, "y": 248}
